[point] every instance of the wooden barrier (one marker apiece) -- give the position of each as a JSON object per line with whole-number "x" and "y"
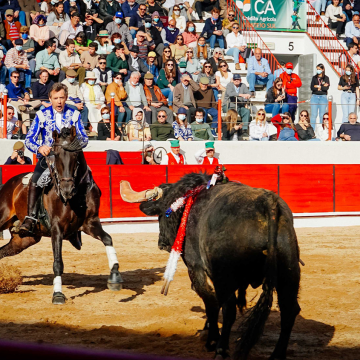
{"x": 306, "y": 188}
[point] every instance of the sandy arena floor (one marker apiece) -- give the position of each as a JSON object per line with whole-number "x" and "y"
{"x": 139, "y": 319}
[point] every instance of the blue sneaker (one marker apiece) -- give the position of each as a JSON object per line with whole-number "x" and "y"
{"x": 214, "y": 134}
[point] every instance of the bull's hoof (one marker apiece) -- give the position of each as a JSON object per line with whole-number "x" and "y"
{"x": 222, "y": 354}
{"x": 210, "y": 347}
{"x": 115, "y": 281}
{"x": 58, "y": 298}
{"x": 204, "y": 335}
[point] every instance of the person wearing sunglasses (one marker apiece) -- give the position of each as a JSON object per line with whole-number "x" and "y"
{"x": 166, "y": 55}
{"x": 259, "y": 128}
{"x": 236, "y": 45}
{"x": 178, "y": 49}
{"x": 103, "y": 73}
{"x": 213, "y": 29}
{"x": 216, "y": 58}
{"x": 137, "y": 20}
{"x": 224, "y": 76}
{"x": 322, "y": 130}
{"x": 162, "y": 130}
{"x": 276, "y": 99}
{"x": 304, "y": 129}
{"x": 208, "y": 72}
{"x": 228, "y": 22}
{"x": 104, "y": 126}
{"x": 286, "y": 130}
{"x": 122, "y": 112}
{"x": 12, "y": 28}
{"x": 167, "y": 80}
{"x": 193, "y": 66}
{"x": 180, "y": 19}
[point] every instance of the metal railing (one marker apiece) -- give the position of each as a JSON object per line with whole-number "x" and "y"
{"x": 326, "y": 42}
{"x": 251, "y": 36}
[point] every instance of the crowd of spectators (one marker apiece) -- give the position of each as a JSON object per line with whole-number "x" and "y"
{"x": 166, "y": 78}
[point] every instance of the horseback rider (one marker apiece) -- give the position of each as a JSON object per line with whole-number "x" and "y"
{"x": 55, "y": 117}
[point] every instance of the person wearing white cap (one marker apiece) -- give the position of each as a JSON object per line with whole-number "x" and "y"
{"x": 94, "y": 98}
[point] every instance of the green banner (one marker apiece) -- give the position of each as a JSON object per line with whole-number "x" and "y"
{"x": 275, "y": 15}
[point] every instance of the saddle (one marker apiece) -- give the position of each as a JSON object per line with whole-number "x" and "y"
{"x": 43, "y": 216}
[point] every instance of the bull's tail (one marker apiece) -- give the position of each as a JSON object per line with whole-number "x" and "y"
{"x": 254, "y": 324}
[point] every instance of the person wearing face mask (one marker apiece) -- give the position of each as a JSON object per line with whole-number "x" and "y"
{"x": 207, "y": 156}
{"x": 183, "y": 70}
{"x": 349, "y": 85}
{"x": 201, "y": 49}
{"x": 182, "y": 129}
{"x": 29, "y": 48}
{"x": 70, "y": 60}
{"x": 200, "y": 129}
{"x": 94, "y": 99}
{"x": 108, "y": 9}
{"x": 180, "y": 20}
{"x": 205, "y": 5}
{"x": 129, "y": 8}
{"x": 291, "y": 82}
{"x": 213, "y": 29}
{"x": 170, "y": 33}
{"x": 319, "y": 86}
{"x": 16, "y": 59}
{"x": 153, "y": 35}
{"x": 122, "y": 113}
{"x": 156, "y": 21}
{"x": 190, "y": 36}
{"x": 75, "y": 98}
{"x": 104, "y": 128}
{"x": 183, "y": 11}
{"x": 118, "y": 26}
{"x": 29, "y": 7}
{"x": 39, "y": 32}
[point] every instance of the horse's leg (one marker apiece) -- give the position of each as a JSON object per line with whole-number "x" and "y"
{"x": 56, "y": 240}
{"x": 93, "y": 228}
{"x": 17, "y": 244}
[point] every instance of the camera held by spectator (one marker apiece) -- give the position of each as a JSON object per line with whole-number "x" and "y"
{"x": 17, "y": 157}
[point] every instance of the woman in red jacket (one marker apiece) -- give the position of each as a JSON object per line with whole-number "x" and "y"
{"x": 285, "y": 128}
{"x": 291, "y": 83}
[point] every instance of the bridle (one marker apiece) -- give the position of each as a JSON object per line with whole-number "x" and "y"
{"x": 50, "y": 160}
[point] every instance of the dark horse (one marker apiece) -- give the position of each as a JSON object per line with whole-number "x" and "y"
{"x": 69, "y": 204}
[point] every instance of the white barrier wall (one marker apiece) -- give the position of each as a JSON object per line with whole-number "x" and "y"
{"x": 240, "y": 152}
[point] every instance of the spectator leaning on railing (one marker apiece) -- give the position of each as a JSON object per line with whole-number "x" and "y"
{"x": 201, "y": 130}
{"x": 236, "y": 97}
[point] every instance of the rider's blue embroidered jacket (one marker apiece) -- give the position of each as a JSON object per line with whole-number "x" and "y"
{"x": 44, "y": 124}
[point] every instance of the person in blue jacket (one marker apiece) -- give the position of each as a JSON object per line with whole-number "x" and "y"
{"x": 213, "y": 29}
{"x": 129, "y": 8}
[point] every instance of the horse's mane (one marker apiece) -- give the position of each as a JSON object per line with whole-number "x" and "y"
{"x": 64, "y": 135}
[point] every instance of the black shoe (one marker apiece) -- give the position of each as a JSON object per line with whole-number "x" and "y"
{"x": 253, "y": 94}
{"x": 28, "y": 226}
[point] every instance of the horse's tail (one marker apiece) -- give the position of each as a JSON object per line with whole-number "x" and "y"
{"x": 254, "y": 324}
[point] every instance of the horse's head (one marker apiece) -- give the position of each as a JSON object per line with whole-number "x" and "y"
{"x": 66, "y": 165}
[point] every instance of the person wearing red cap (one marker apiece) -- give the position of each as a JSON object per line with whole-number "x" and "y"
{"x": 291, "y": 83}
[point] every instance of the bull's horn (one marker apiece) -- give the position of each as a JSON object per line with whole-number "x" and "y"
{"x": 131, "y": 196}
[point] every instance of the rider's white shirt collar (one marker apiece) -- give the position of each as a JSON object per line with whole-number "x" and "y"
{"x": 58, "y": 119}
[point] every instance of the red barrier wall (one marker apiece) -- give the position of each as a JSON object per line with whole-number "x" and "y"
{"x": 306, "y": 188}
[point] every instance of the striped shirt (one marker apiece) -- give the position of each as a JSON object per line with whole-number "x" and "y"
{"x": 13, "y": 57}
{"x": 13, "y": 32}
{"x": 144, "y": 50}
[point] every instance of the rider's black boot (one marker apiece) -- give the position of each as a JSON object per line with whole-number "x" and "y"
{"x": 28, "y": 225}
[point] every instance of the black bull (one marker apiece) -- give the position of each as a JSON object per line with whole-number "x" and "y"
{"x": 236, "y": 236}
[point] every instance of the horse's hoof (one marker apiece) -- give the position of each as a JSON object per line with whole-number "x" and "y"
{"x": 58, "y": 298}
{"x": 204, "y": 335}
{"x": 114, "y": 286}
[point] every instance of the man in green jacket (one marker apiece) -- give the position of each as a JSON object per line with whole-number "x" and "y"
{"x": 116, "y": 61}
{"x": 161, "y": 130}
{"x": 201, "y": 131}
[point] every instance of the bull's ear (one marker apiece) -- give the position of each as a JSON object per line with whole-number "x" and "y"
{"x": 151, "y": 208}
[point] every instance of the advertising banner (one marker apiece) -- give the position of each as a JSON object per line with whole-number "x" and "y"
{"x": 275, "y": 15}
